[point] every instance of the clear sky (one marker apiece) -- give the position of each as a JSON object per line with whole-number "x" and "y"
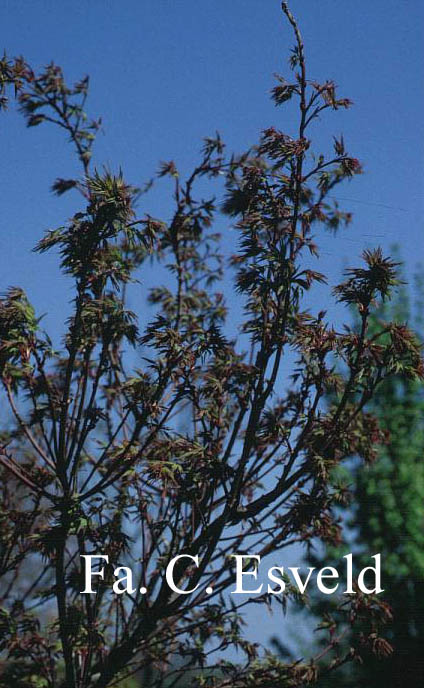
{"x": 165, "y": 73}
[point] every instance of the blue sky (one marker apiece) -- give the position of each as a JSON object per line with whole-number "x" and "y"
{"x": 165, "y": 73}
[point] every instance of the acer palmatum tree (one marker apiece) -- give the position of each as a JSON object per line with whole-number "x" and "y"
{"x": 199, "y": 448}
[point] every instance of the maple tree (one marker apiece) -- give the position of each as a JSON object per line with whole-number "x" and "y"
{"x": 201, "y": 449}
